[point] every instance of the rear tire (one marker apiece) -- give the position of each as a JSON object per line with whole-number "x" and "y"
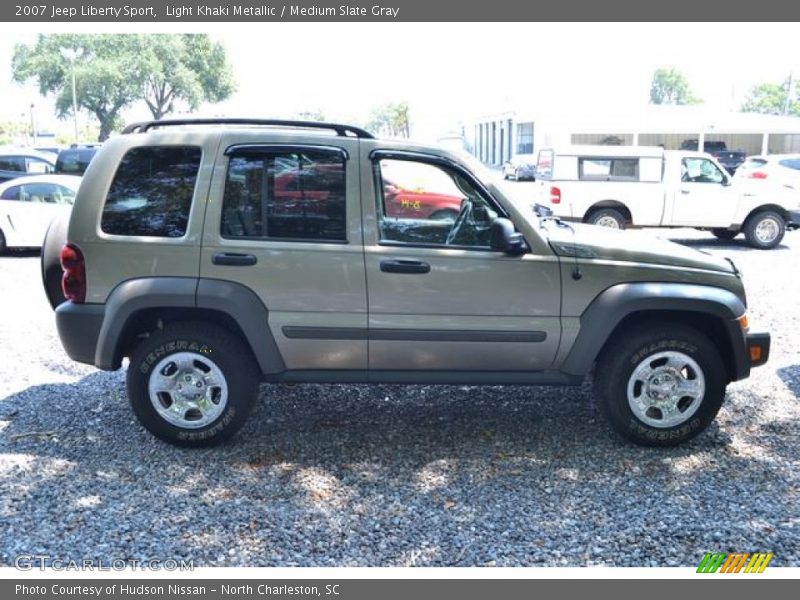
{"x": 607, "y": 217}
{"x": 765, "y": 229}
{"x": 192, "y": 384}
{"x": 660, "y": 385}
{"x": 724, "y": 234}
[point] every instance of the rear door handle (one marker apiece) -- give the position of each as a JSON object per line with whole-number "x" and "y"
{"x": 685, "y": 192}
{"x": 399, "y": 265}
{"x": 234, "y": 259}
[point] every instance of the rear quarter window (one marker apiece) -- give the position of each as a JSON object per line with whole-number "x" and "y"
{"x": 151, "y": 194}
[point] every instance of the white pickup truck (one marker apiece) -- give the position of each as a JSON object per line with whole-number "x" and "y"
{"x": 638, "y": 186}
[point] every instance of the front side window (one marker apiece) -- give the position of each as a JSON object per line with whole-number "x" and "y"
{"x": 427, "y": 204}
{"x": 608, "y": 169}
{"x": 700, "y": 170}
{"x": 152, "y": 191}
{"x": 296, "y": 195}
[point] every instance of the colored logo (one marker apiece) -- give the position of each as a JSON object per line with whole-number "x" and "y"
{"x": 735, "y": 562}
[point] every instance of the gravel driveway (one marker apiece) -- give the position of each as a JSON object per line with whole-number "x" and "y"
{"x": 391, "y": 475}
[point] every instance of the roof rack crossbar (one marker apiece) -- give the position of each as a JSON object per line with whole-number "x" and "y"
{"x": 341, "y": 130}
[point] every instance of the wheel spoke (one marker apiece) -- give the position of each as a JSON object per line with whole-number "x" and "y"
{"x": 690, "y": 387}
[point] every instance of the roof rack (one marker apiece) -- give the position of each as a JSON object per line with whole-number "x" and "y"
{"x": 341, "y": 130}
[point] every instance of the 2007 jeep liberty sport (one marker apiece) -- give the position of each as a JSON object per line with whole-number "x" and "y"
{"x": 219, "y": 253}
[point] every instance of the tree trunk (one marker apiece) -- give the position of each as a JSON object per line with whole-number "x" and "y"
{"x": 105, "y": 129}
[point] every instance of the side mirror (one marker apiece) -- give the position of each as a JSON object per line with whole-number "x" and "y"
{"x": 504, "y": 238}
{"x": 726, "y": 181}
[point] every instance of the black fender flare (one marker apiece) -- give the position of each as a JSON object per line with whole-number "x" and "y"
{"x": 609, "y": 308}
{"x": 235, "y": 300}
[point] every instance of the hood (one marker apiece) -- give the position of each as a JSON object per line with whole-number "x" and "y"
{"x": 590, "y": 241}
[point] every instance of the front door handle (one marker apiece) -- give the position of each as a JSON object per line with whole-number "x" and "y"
{"x": 685, "y": 192}
{"x": 399, "y": 265}
{"x": 234, "y": 259}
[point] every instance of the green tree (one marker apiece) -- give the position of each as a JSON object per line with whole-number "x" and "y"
{"x": 669, "y": 86}
{"x": 114, "y": 71}
{"x": 187, "y": 68}
{"x": 391, "y": 119}
{"x": 108, "y": 77}
{"x": 773, "y": 99}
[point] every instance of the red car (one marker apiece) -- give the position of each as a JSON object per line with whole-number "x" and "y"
{"x": 403, "y": 203}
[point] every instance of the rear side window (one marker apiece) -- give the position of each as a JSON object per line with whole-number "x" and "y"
{"x": 151, "y": 194}
{"x": 608, "y": 169}
{"x": 286, "y": 194}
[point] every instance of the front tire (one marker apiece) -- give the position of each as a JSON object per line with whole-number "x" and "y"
{"x": 765, "y": 230}
{"x": 660, "y": 386}
{"x": 192, "y": 384}
{"x": 607, "y": 217}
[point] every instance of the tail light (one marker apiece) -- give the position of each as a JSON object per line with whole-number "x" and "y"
{"x": 555, "y": 195}
{"x": 758, "y": 175}
{"x": 73, "y": 281}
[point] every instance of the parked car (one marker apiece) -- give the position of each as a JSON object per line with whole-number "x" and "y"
{"x": 521, "y": 166}
{"x": 780, "y": 169}
{"x": 75, "y": 159}
{"x": 637, "y": 186}
{"x": 15, "y": 162}
{"x": 28, "y": 204}
{"x": 205, "y": 311}
{"x": 730, "y": 159}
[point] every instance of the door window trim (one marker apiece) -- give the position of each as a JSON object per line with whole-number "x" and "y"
{"x": 277, "y": 148}
{"x": 440, "y": 161}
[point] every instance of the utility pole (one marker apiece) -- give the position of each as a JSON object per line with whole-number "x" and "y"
{"x": 788, "y": 101}
{"x": 72, "y": 54}
{"x": 33, "y": 124}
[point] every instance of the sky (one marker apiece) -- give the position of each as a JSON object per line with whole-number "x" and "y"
{"x": 454, "y": 72}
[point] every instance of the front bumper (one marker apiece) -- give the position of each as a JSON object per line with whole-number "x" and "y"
{"x": 757, "y": 345}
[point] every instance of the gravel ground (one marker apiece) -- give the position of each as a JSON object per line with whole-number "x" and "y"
{"x": 389, "y": 475}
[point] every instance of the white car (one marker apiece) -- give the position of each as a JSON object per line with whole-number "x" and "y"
{"x": 639, "y": 186}
{"x": 782, "y": 169}
{"x": 29, "y": 204}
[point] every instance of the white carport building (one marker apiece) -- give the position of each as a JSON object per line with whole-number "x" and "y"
{"x": 667, "y": 126}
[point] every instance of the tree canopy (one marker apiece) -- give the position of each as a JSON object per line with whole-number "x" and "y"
{"x": 669, "y": 86}
{"x": 773, "y": 99}
{"x": 114, "y": 71}
{"x": 391, "y": 119}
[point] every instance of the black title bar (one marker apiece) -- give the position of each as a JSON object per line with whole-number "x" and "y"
{"x": 139, "y": 11}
